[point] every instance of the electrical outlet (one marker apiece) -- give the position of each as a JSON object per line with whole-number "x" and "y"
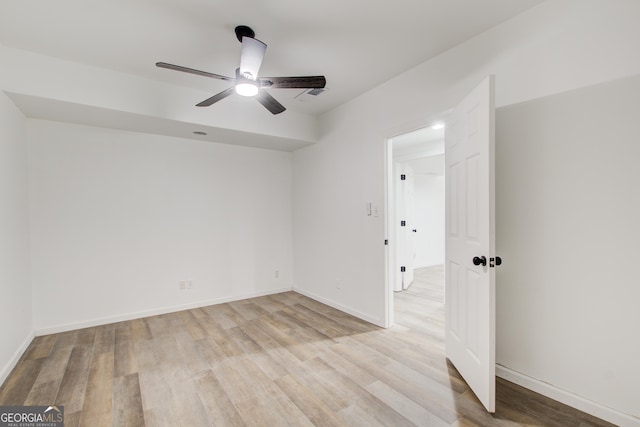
{"x": 277, "y": 274}
{"x": 189, "y": 284}
{"x": 182, "y": 285}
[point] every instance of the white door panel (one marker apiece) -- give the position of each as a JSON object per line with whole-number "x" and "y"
{"x": 407, "y": 230}
{"x": 470, "y": 289}
{"x": 404, "y": 208}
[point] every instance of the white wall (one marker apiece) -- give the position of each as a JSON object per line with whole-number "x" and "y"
{"x": 118, "y": 218}
{"x": 555, "y": 47}
{"x": 16, "y": 326}
{"x": 429, "y": 220}
{"x": 567, "y": 227}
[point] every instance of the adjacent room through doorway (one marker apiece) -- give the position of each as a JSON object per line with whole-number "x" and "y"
{"x": 416, "y": 212}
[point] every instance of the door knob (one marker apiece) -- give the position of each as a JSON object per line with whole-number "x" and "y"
{"x": 414, "y": 230}
{"x": 480, "y": 260}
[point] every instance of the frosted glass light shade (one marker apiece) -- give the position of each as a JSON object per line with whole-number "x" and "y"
{"x": 247, "y": 89}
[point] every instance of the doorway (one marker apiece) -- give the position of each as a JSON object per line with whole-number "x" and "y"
{"x": 415, "y": 212}
{"x": 469, "y": 239}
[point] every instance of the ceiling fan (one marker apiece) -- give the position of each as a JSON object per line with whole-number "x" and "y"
{"x": 246, "y": 81}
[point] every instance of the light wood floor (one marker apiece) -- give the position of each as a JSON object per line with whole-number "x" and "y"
{"x": 276, "y": 360}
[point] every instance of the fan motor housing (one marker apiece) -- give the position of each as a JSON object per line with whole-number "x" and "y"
{"x": 244, "y": 31}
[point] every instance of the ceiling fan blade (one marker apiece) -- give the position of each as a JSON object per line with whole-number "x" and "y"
{"x": 270, "y": 102}
{"x": 192, "y": 71}
{"x": 309, "y": 82}
{"x": 251, "y": 58}
{"x": 215, "y": 98}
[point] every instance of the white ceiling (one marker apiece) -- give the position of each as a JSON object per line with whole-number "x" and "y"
{"x": 417, "y": 144}
{"x": 422, "y": 149}
{"x": 432, "y": 165}
{"x": 356, "y": 44}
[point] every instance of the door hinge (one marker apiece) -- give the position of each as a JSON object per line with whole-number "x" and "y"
{"x": 403, "y": 177}
{"x": 403, "y": 269}
{"x": 403, "y": 223}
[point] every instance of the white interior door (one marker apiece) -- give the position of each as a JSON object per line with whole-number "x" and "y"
{"x": 470, "y": 288}
{"x": 409, "y": 218}
{"x": 404, "y": 224}
{"x": 397, "y": 241}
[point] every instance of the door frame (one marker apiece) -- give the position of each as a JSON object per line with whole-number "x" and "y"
{"x": 389, "y": 206}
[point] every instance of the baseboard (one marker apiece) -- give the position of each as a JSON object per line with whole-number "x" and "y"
{"x": 164, "y": 310}
{"x": 8, "y": 367}
{"x": 563, "y": 396}
{"x": 340, "y": 307}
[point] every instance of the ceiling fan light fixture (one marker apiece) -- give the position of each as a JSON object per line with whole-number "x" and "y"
{"x": 247, "y": 88}
{"x": 246, "y": 83}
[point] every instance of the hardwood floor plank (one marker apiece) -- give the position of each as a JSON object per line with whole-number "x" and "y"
{"x": 230, "y": 346}
{"x": 248, "y": 345}
{"x": 403, "y": 405}
{"x": 356, "y": 416}
{"x": 126, "y": 361}
{"x": 531, "y": 407}
{"x": 229, "y": 313}
{"x": 427, "y": 393}
{"x": 216, "y": 402}
{"x": 74, "y": 382}
{"x": 210, "y": 350}
{"x": 192, "y": 325}
{"x": 140, "y": 330}
{"x": 43, "y": 393}
{"x": 323, "y": 323}
{"x": 105, "y": 339}
{"x": 273, "y": 366}
{"x": 159, "y": 327}
{"x": 314, "y": 408}
{"x": 72, "y": 419}
{"x": 98, "y": 402}
{"x": 248, "y": 309}
{"x": 343, "y": 385}
{"x": 218, "y": 317}
{"x": 40, "y": 347}
{"x": 54, "y": 366}
{"x": 172, "y": 367}
{"x": 65, "y": 339}
{"x": 437, "y": 371}
{"x": 186, "y": 406}
{"x": 355, "y": 371}
{"x": 86, "y": 336}
{"x": 269, "y": 303}
{"x": 18, "y": 385}
{"x": 127, "y": 402}
{"x": 192, "y": 360}
{"x": 285, "y": 340}
{"x": 255, "y": 406}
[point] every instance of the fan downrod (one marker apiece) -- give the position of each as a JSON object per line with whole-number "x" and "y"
{"x": 244, "y": 31}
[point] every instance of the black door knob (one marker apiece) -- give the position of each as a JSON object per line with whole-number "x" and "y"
{"x": 414, "y": 230}
{"x": 480, "y": 260}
